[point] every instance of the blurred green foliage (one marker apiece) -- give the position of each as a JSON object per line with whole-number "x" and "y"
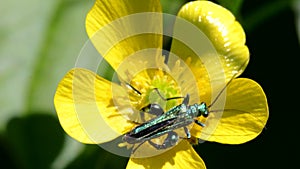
{"x": 93, "y": 157}
{"x": 234, "y": 5}
{"x": 35, "y": 140}
{"x": 39, "y": 43}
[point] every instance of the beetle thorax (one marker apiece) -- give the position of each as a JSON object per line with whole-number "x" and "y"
{"x": 202, "y": 109}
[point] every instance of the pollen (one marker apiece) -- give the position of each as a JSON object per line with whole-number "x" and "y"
{"x": 155, "y": 85}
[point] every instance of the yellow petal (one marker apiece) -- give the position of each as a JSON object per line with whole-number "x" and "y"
{"x": 85, "y": 107}
{"x": 181, "y": 156}
{"x": 213, "y": 44}
{"x": 122, "y": 28}
{"x": 244, "y": 117}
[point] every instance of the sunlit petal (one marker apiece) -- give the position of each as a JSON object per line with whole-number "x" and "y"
{"x": 244, "y": 117}
{"x": 214, "y": 48}
{"x": 85, "y": 107}
{"x": 122, "y": 27}
{"x": 181, "y": 156}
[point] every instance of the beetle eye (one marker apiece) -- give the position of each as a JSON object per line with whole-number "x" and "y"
{"x": 205, "y": 114}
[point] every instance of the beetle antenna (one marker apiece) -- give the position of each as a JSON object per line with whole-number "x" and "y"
{"x": 223, "y": 89}
{"x": 132, "y": 88}
{"x": 166, "y": 99}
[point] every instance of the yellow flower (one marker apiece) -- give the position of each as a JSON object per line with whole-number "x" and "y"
{"x": 94, "y": 110}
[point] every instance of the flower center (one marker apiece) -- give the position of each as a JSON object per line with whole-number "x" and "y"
{"x": 154, "y": 86}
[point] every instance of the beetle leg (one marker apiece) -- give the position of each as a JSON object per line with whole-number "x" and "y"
{"x": 135, "y": 148}
{"x": 195, "y": 141}
{"x": 187, "y": 132}
{"x": 199, "y": 123}
{"x": 170, "y": 141}
{"x": 153, "y": 109}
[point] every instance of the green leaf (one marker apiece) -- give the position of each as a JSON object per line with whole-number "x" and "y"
{"x": 65, "y": 37}
{"x": 22, "y": 29}
{"x": 39, "y": 43}
{"x": 170, "y": 7}
{"x": 35, "y": 140}
{"x": 106, "y": 71}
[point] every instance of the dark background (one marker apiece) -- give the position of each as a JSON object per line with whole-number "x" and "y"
{"x": 33, "y": 141}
